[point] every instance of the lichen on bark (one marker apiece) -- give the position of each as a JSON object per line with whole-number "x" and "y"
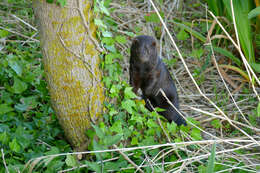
{"x": 77, "y": 96}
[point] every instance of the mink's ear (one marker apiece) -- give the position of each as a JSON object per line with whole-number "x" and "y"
{"x": 135, "y": 41}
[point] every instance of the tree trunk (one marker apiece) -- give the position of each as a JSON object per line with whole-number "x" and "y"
{"x": 71, "y": 64}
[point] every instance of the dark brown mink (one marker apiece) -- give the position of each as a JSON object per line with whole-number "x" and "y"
{"x": 148, "y": 72}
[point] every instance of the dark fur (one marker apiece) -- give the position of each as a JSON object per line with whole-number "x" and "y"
{"x": 148, "y": 72}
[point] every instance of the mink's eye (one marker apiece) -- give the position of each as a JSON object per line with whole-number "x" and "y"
{"x": 153, "y": 44}
{"x": 136, "y": 68}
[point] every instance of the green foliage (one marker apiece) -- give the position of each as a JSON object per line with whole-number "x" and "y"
{"x": 152, "y": 17}
{"x": 242, "y": 15}
{"x": 210, "y": 167}
{"x": 61, "y": 3}
{"x": 253, "y": 13}
{"x": 258, "y": 110}
{"x": 182, "y": 35}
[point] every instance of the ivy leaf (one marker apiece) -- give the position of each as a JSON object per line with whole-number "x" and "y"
{"x": 103, "y": 9}
{"x": 110, "y": 140}
{"x": 4, "y": 138}
{"x": 3, "y": 33}
{"x": 54, "y": 150}
{"x": 27, "y": 103}
{"x": 4, "y": 108}
{"x": 128, "y": 105}
{"x": 195, "y": 133}
{"x": 129, "y": 94}
{"x": 117, "y": 127}
{"x": 14, "y": 146}
{"x": 19, "y": 86}
{"x": 172, "y": 127}
{"x": 121, "y": 39}
{"x": 134, "y": 141}
{"x": 112, "y": 112}
{"x": 151, "y": 124}
{"x": 108, "y": 40}
{"x": 62, "y": 3}
{"x": 99, "y": 132}
{"x": 70, "y": 160}
{"x": 100, "y": 23}
{"x": 15, "y": 66}
{"x": 94, "y": 166}
{"x": 107, "y": 34}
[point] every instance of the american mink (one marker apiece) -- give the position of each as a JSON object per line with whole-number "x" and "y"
{"x": 148, "y": 72}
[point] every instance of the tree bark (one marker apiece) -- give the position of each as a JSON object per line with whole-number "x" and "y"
{"x": 71, "y": 64}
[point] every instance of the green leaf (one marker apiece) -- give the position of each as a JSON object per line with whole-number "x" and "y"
{"x": 107, "y": 34}
{"x": 99, "y": 132}
{"x": 134, "y": 141}
{"x": 131, "y": 34}
{"x": 70, "y": 160}
{"x": 255, "y": 66}
{"x": 108, "y": 40}
{"x": 128, "y": 105}
{"x": 94, "y": 166}
{"x": 191, "y": 31}
{"x": 197, "y": 53}
{"x": 3, "y": 33}
{"x": 227, "y": 54}
{"x": 4, "y": 138}
{"x": 216, "y": 123}
{"x": 211, "y": 162}
{"x": 62, "y": 3}
{"x": 15, "y": 65}
{"x": 100, "y": 23}
{"x": 152, "y": 17}
{"x": 172, "y": 127}
{"x": 19, "y": 86}
{"x": 121, "y": 39}
{"x": 102, "y": 8}
{"x": 216, "y": 6}
{"x": 253, "y": 13}
{"x": 129, "y": 94}
{"x": 243, "y": 24}
{"x": 54, "y": 150}
{"x": 182, "y": 35}
{"x": 112, "y": 112}
{"x": 117, "y": 127}
{"x": 258, "y": 110}
{"x": 151, "y": 124}
{"x": 27, "y": 103}
{"x": 14, "y": 146}
{"x": 202, "y": 169}
{"x": 195, "y": 134}
{"x": 110, "y": 140}
{"x": 4, "y": 108}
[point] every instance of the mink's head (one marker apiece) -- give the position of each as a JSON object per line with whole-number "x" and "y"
{"x": 144, "y": 49}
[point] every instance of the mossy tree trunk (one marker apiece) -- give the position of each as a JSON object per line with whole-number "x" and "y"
{"x": 71, "y": 64}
